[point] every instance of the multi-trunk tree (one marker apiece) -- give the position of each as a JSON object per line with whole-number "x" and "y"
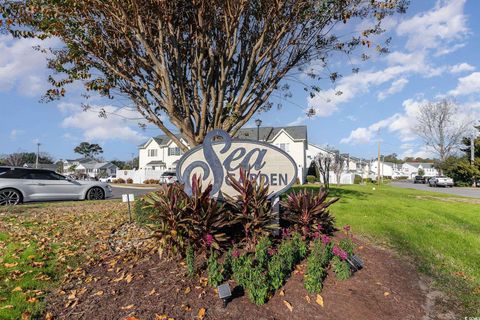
{"x": 197, "y": 64}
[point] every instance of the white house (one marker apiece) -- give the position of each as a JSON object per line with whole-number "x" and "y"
{"x": 161, "y": 153}
{"x": 96, "y": 169}
{"x": 410, "y": 169}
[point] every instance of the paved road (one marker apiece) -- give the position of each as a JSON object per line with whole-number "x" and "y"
{"x": 139, "y": 191}
{"x": 464, "y": 192}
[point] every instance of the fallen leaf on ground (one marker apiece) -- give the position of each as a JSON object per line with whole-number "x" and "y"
{"x": 282, "y": 293}
{"x": 98, "y": 293}
{"x": 17, "y": 289}
{"x": 130, "y": 306}
{"x": 11, "y": 265}
{"x": 152, "y": 292}
{"x": 8, "y": 306}
{"x": 187, "y": 290}
{"x": 386, "y": 293}
{"x": 319, "y": 300}
{"x": 201, "y": 313}
{"x": 129, "y": 278}
{"x": 308, "y": 299}
{"x": 288, "y": 305}
{"x": 32, "y": 300}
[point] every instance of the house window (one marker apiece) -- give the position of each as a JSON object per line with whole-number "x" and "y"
{"x": 174, "y": 151}
{"x": 152, "y": 152}
{"x": 284, "y": 146}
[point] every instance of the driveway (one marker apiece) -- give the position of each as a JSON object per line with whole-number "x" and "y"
{"x": 464, "y": 192}
{"x": 137, "y": 191}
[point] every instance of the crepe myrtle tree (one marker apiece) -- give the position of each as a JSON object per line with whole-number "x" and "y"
{"x": 198, "y": 64}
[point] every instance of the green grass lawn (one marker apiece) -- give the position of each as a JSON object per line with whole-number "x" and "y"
{"x": 441, "y": 233}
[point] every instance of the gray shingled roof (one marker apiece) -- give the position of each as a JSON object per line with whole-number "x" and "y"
{"x": 266, "y": 134}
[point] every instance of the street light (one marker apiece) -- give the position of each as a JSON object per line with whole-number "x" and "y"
{"x": 258, "y": 122}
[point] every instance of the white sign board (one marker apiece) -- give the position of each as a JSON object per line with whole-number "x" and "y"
{"x": 216, "y": 159}
{"x": 128, "y": 197}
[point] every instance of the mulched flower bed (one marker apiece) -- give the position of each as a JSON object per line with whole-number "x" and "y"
{"x": 143, "y": 286}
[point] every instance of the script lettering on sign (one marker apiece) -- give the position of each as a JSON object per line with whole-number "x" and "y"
{"x": 221, "y": 155}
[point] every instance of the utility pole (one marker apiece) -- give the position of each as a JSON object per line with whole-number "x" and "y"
{"x": 38, "y": 154}
{"x": 378, "y": 164}
{"x": 472, "y": 149}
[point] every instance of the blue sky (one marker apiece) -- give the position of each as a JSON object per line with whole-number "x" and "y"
{"x": 434, "y": 53}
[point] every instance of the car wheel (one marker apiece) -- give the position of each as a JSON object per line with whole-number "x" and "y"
{"x": 95, "y": 193}
{"x": 10, "y": 197}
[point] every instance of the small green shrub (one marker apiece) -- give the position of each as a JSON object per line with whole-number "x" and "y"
{"x": 300, "y": 245}
{"x": 317, "y": 262}
{"x": 241, "y": 267}
{"x": 357, "y": 179}
{"x": 341, "y": 268}
{"x": 347, "y": 245}
{"x": 142, "y": 212}
{"x": 276, "y": 271}
{"x": 261, "y": 251}
{"x": 311, "y": 179}
{"x": 214, "y": 270}
{"x": 257, "y": 286}
{"x": 190, "y": 260}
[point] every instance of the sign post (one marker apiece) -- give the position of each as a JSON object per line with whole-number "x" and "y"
{"x": 127, "y": 198}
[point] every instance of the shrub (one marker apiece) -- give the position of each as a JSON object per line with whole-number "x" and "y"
{"x": 171, "y": 224}
{"x": 214, "y": 270}
{"x": 276, "y": 271}
{"x": 251, "y": 278}
{"x": 261, "y": 251}
{"x": 251, "y": 207}
{"x": 190, "y": 260}
{"x": 257, "y": 286}
{"x": 357, "y": 179}
{"x": 341, "y": 268}
{"x": 179, "y": 219}
{"x": 315, "y": 273}
{"x": 120, "y": 180}
{"x": 311, "y": 179}
{"x": 129, "y": 180}
{"x": 308, "y": 211}
{"x": 347, "y": 245}
{"x": 281, "y": 264}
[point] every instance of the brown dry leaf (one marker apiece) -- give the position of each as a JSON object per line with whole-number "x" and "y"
{"x": 282, "y": 292}
{"x": 130, "y": 306}
{"x": 308, "y": 299}
{"x": 187, "y": 290}
{"x": 201, "y": 313}
{"x": 32, "y": 300}
{"x": 129, "y": 278}
{"x": 72, "y": 295}
{"x": 386, "y": 294}
{"x": 152, "y": 292}
{"x": 132, "y": 318}
{"x": 319, "y": 300}
{"x": 26, "y": 315}
{"x": 288, "y": 305}
{"x": 11, "y": 265}
{"x": 98, "y": 293}
{"x": 17, "y": 289}
{"x": 49, "y": 316}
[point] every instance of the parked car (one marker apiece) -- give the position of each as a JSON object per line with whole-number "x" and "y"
{"x": 168, "y": 177}
{"x": 5, "y": 169}
{"x": 108, "y": 179}
{"x": 420, "y": 179}
{"x": 20, "y": 185}
{"x": 440, "y": 181}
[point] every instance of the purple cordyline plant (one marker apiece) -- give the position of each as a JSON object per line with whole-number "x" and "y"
{"x": 208, "y": 239}
{"x": 340, "y": 253}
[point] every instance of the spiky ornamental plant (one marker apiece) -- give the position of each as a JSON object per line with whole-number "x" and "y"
{"x": 207, "y": 217}
{"x": 252, "y": 207}
{"x": 308, "y": 211}
{"x": 169, "y": 220}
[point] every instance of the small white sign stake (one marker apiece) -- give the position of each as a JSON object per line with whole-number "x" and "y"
{"x": 127, "y": 198}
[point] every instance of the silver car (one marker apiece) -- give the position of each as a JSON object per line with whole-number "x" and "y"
{"x": 19, "y": 185}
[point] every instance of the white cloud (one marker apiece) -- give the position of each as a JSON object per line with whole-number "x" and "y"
{"x": 461, "y": 67}
{"x": 439, "y": 29}
{"x": 395, "y": 87}
{"x": 467, "y": 85}
{"x": 23, "y": 68}
{"x": 119, "y": 123}
{"x": 15, "y": 133}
